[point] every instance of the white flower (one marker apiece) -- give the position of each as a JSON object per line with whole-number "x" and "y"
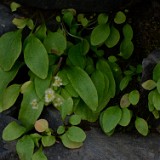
{"x": 57, "y": 102}
{"x": 49, "y": 95}
{"x": 57, "y": 81}
{"x": 34, "y": 104}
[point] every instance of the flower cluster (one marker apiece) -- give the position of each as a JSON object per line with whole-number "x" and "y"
{"x": 50, "y": 93}
{"x": 34, "y": 104}
{"x": 57, "y": 82}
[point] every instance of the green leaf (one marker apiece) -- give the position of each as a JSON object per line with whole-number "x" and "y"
{"x": 86, "y": 113}
{"x": 41, "y": 32}
{"x": 66, "y": 108}
{"x": 99, "y": 34}
{"x": 99, "y": 82}
{"x": 134, "y": 97}
{"x": 36, "y": 57}
{"x": 36, "y": 137}
{"x": 69, "y": 88}
{"x": 113, "y": 38}
{"x": 126, "y": 48}
{"x": 149, "y": 84}
{"x": 150, "y": 101}
{"x": 48, "y": 141}
{"x": 10, "y": 49}
{"x": 20, "y": 23}
{"x": 68, "y": 17}
{"x": 14, "y": 6}
{"x": 63, "y": 75}
{"x": 158, "y": 86}
{"x": 84, "y": 86}
{"x": 25, "y": 148}
{"x": 126, "y": 117}
{"x": 104, "y": 67}
{"x": 61, "y": 130}
{"x": 141, "y": 126}
{"x": 156, "y": 100}
{"x": 10, "y": 95}
{"x": 75, "y": 120}
{"x": 127, "y": 31}
{"x": 70, "y": 144}
{"x": 124, "y": 82}
{"x": 42, "y": 84}
{"x": 124, "y": 102}
{"x": 13, "y": 131}
{"x": 156, "y": 114}
{"x": 76, "y": 57}
{"x": 102, "y": 18}
{"x": 120, "y": 17}
{"x": 76, "y": 134}
{"x": 5, "y": 79}
{"x": 156, "y": 72}
{"x": 55, "y": 43}
{"x": 39, "y": 155}
{"x": 31, "y": 107}
{"x": 110, "y": 118}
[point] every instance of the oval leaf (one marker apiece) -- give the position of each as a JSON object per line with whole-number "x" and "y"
{"x": 84, "y": 86}
{"x": 127, "y": 31}
{"x": 70, "y": 144}
{"x": 39, "y": 155}
{"x": 158, "y": 86}
{"x": 126, "y": 48}
{"x": 55, "y": 42}
{"x": 10, "y": 95}
{"x": 134, "y": 97}
{"x": 75, "y": 120}
{"x": 124, "y": 82}
{"x": 10, "y": 49}
{"x": 25, "y": 148}
{"x": 141, "y": 126}
{"x": 99, "y": 34}
{"x": 156, "y": 72}
{"x": 76, "y": 134}
{"x": 110, "y": 118}
{"x": 156, "y": 100}
{"x": 36, "y": 57}
{"x": 113, "y": 38}
{"x": 124, "y": 102}
{"x": 48, "y": 141}
{"x": 149, "y": 84}
{"x": 13, "y": 131}
{"x": 126, "y": 117}
{"x": 120, "y": 17}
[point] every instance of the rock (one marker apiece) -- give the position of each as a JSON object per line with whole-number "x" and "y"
{"x": 6, "y": 17}
{"x": 82, "y": 6}
{"x": 97, "y": 146}
{"x": 149, "y": 63}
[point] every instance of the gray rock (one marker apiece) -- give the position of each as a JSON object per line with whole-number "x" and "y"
{"x": 149, "y": 63}
{"x": 6, "y": 17}
{"x": 96, "y": 147}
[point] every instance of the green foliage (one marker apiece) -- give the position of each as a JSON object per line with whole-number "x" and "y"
{"x": 74, "y": 70}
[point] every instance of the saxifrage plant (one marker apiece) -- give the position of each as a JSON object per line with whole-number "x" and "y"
{"x": 69, "y": 69}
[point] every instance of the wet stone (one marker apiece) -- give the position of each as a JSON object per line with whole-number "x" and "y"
{"x": 6, "y": 17}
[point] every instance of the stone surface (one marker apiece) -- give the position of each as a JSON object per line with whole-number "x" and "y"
{"x": 149, "y": 63}
{"x": 6, "y": 17}
{"x": 96, "y": 147}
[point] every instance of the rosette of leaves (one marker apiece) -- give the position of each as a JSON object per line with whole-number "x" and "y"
{"x": 89, "y": 80}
